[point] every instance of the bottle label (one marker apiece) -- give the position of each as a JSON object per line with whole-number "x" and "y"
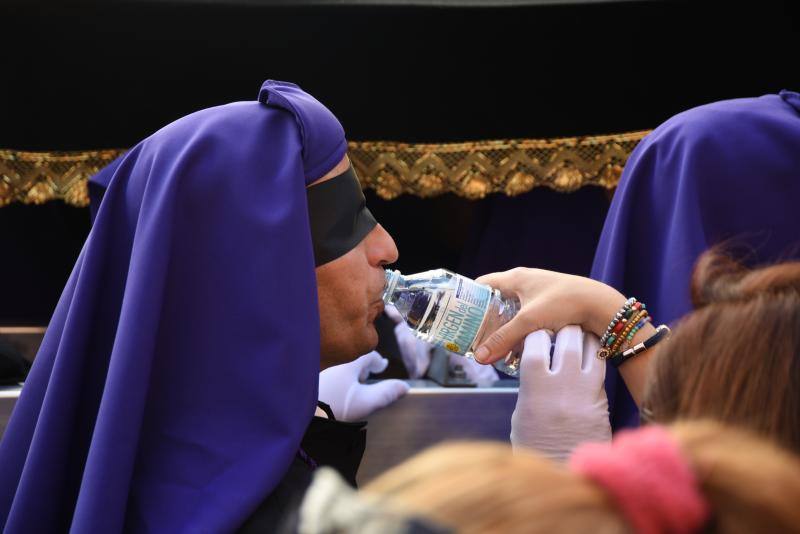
{"x": 459, "y": 324}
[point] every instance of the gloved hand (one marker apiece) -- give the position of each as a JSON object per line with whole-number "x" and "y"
{"x": 415, "y": 352}
{"x": 563, "y": 403}
{"x": 340, "y": 387}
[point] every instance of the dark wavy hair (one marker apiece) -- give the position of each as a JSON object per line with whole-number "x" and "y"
{"x": 736, "y": 357}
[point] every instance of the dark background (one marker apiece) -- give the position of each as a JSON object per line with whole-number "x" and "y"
{"x": 95, "y": 75}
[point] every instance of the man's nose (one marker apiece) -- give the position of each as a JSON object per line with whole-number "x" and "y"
{"x": 381, "y": 247}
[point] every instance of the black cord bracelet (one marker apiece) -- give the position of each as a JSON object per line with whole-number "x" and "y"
{"x": 662, "y": 332}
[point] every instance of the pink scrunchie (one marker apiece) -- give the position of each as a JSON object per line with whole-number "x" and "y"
{"x": 646, "y": 474}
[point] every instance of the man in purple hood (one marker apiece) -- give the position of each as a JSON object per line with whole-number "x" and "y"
{"x": 231, "y": 254}
{"x": 727, "y": 172}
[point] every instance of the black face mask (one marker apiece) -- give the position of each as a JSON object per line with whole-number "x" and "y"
{"x": 339, "y": 216}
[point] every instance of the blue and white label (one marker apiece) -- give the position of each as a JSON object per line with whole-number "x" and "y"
{"x": 463, "y": 316}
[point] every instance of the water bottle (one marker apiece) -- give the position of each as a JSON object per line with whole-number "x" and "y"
{"x": 447, "y": 309}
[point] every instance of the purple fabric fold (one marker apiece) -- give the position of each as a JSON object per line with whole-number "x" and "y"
{"x": 727, "y": 172}
{"x": 179, "y": 370}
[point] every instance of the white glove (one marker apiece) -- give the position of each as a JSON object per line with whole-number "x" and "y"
{"x": 415, "y": 352}
{"x": 482, "y": 375}
{"x": 562, "y": 404}
{"x": 340, "y": 387}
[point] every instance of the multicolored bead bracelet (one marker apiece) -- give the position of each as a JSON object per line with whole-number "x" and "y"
{"x": 625, "y": 320}
{"x": 627, "y": 332}
{"x": 618, "y": 320}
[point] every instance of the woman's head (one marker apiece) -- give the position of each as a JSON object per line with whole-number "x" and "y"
{"x": 746, "y": 485}
{"x": 736, "y": 358}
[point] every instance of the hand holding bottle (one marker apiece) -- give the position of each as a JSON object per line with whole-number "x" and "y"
{"x": 450, "y": 310}
{"x": 561, "y": 403}
{"x": 549, "y": 300}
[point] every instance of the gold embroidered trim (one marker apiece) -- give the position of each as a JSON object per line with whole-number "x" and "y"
{"x": 474, "y": 170}
{"x": 471, "y": 170}
{"x": 39, "y": 177}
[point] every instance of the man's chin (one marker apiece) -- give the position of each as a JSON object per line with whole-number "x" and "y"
{"x": 370, "y": 340}
{"x": 365, "y": 343}
{"x": 360, "y": 345}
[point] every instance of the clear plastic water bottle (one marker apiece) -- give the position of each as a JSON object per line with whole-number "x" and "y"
{"x": 447, "y": 309}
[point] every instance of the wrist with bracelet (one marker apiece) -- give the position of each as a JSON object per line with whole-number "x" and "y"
{"x": 631, "y": 317}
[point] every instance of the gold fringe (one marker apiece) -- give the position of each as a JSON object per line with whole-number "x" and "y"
{"x": 471, "y": 170}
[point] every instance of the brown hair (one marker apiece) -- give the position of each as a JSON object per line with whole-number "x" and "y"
{"x": 750, "y": 484}
{"x": 736, "y": 358}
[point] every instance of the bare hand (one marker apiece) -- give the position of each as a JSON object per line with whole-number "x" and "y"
{"x": 550, "y": 301}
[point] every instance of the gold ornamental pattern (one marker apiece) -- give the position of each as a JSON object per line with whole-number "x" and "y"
{"x": 476, "y": 169}
{"x": 39, "y": 177}
{"x": 471, "y": 170}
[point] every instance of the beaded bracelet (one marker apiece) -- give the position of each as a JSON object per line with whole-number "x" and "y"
{"x": 626, "y": 340}
{"x": 617, "y": 345}
{"x": 619, "y": 319}
{"x": 636, "y": 328}
{"x": 617, "y": 325}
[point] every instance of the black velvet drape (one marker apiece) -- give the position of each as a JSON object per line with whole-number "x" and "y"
{"x": 91, "y": 74}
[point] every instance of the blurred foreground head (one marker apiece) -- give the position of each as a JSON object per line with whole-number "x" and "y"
{"x": 744, "y": 484}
